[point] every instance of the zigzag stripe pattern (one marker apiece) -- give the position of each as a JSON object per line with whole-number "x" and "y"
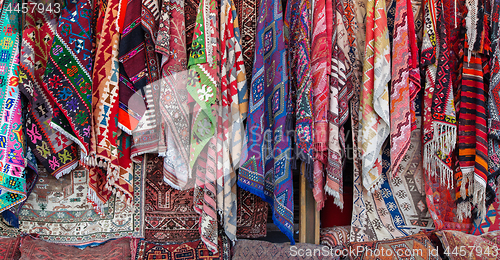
{"x": 400, "y": 87}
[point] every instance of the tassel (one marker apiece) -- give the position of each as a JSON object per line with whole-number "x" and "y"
{"x": 10, "y": 218}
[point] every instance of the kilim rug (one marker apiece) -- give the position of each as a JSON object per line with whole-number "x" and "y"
{"x": 399, "y": 207}
{"x": 401, "y": 248}
{"x": 334, "y": 236}
{"x": 169, "y": 215}
{"x": 13, "y": 175}
{"x": 255, "y": 249}
{"x": 186, "y": 251}
{"x": 481, "y": 247}
{"x": 9, "y": 248}
{"x": 58, "y": 211}
{"x": 119, "y": 249}
{"x": 58, "y": 154}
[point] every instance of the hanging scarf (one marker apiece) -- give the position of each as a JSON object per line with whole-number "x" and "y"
{"x": 58, "y": 154}
{"x": 174, "y": 96}
{"x": 321, "y": 66}
{"x": 230, "y": 118}
{"x": 439, "y": 111}
{"x": 375, "y": 94}
{"x": 203, "y": 80}
{"x": 142, "y": 61}
{"x": 494, "y": 101}
{"x": 400, "y": 87}
{"x": 472, "y": 129}
{"x": 67, "y": 76}
{"x": 105, "y": 106}
{"x": 132, "y": 69}
{"x": 340, "y": 93}
{"x": 266, "y": 171}
{"x": 299, "y": 51}
{"x": 13, "y": 175}
{"x": 414, "y": 76}
{"x": 472, "y": 133}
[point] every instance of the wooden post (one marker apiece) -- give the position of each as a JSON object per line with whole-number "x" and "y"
{"x": 309, "y": 221}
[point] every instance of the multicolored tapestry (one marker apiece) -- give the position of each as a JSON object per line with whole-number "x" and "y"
{"x": 12, "y": 147}
{"x": 247, "y": 18}
{"x": 298, "y": 21}
{"x": 252, "y": 215}
{"x": 461, "y": 246}
{"x": 58, "y": 211}
{"x": 168, "y": 212}
{"x": 255, "y": 249}
{"x": 334, "y": 236}
{"x": 187, "y": 250}
{"x": 120, "y": 249}
{"x": 67, "y": 75}
{"x": 203, "y": 87}
{"x": 374, "y": 95}
{"x": 230, "y": 118}
{"x": 9, "y": 248}
{"x": 399, "y": 207}
{"x": 174, "y": 97}
{"x": 169, "y": 215}
{"x": 105, "y": 106}
{"x": 411, "y": 247}
{"x": 57, "y": 153}
{"x": 320, "y": 67}
{"x": 266, "y": 169}
{"x": 400, "y": 85}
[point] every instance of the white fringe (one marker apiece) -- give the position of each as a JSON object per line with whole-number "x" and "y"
{"x": 375, "y": 186}
{"x": 464, "y": 210}
{"x": 336, "y": 196}
{"x": 67, "y": 170}
{"x": 479, "y": 199}
{"x": 444, "y": 141}
{"x": 96, "y": 202}
{"x": 467, "y": 181}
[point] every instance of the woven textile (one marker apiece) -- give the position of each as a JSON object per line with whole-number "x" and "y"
{"x": 9, "y": 248}
{"x": 67, "y": 75}
{"x": 400, "y": 86}
{"x": 266, "y": 170}
{"x": 247, "y": 18}
{"x": 299, "y": 59}
{"x": 13, "y": 176}
{"x": 149, "y": 135}
{"x": 132, "y": 70}
{"x": 58, "y": 154}
{"x": 105, "y": 107}
{"x": 334, "y": 236}
{"x": 174, "y": 96}
{"x": 490, "y": 222}
{"x": 472, "y": 136}
{"x": 169, "y": 213}
{"x": 439, "y": 110}
{"x": 411, "y": 247}
{"x": 361, "y": 230}
{"x": 186, "y": 250}
{"x": 255, "y": 249}
{"x": 375, "y": 94}
{"x": 58, "y": 211}
{"x": 399, "y": 207}
{"x": 252, "y": 215}
{"x": 113, "y": 250}
{"x": 340, "y": 94}
{"x": 484, "y": 246}
{"x": 203, "y": 85}
{"x": 230, "y": 118}
{"x": 320, "y": 67}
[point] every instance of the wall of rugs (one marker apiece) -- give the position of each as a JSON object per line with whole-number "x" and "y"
{"x": 184, "y": 120}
